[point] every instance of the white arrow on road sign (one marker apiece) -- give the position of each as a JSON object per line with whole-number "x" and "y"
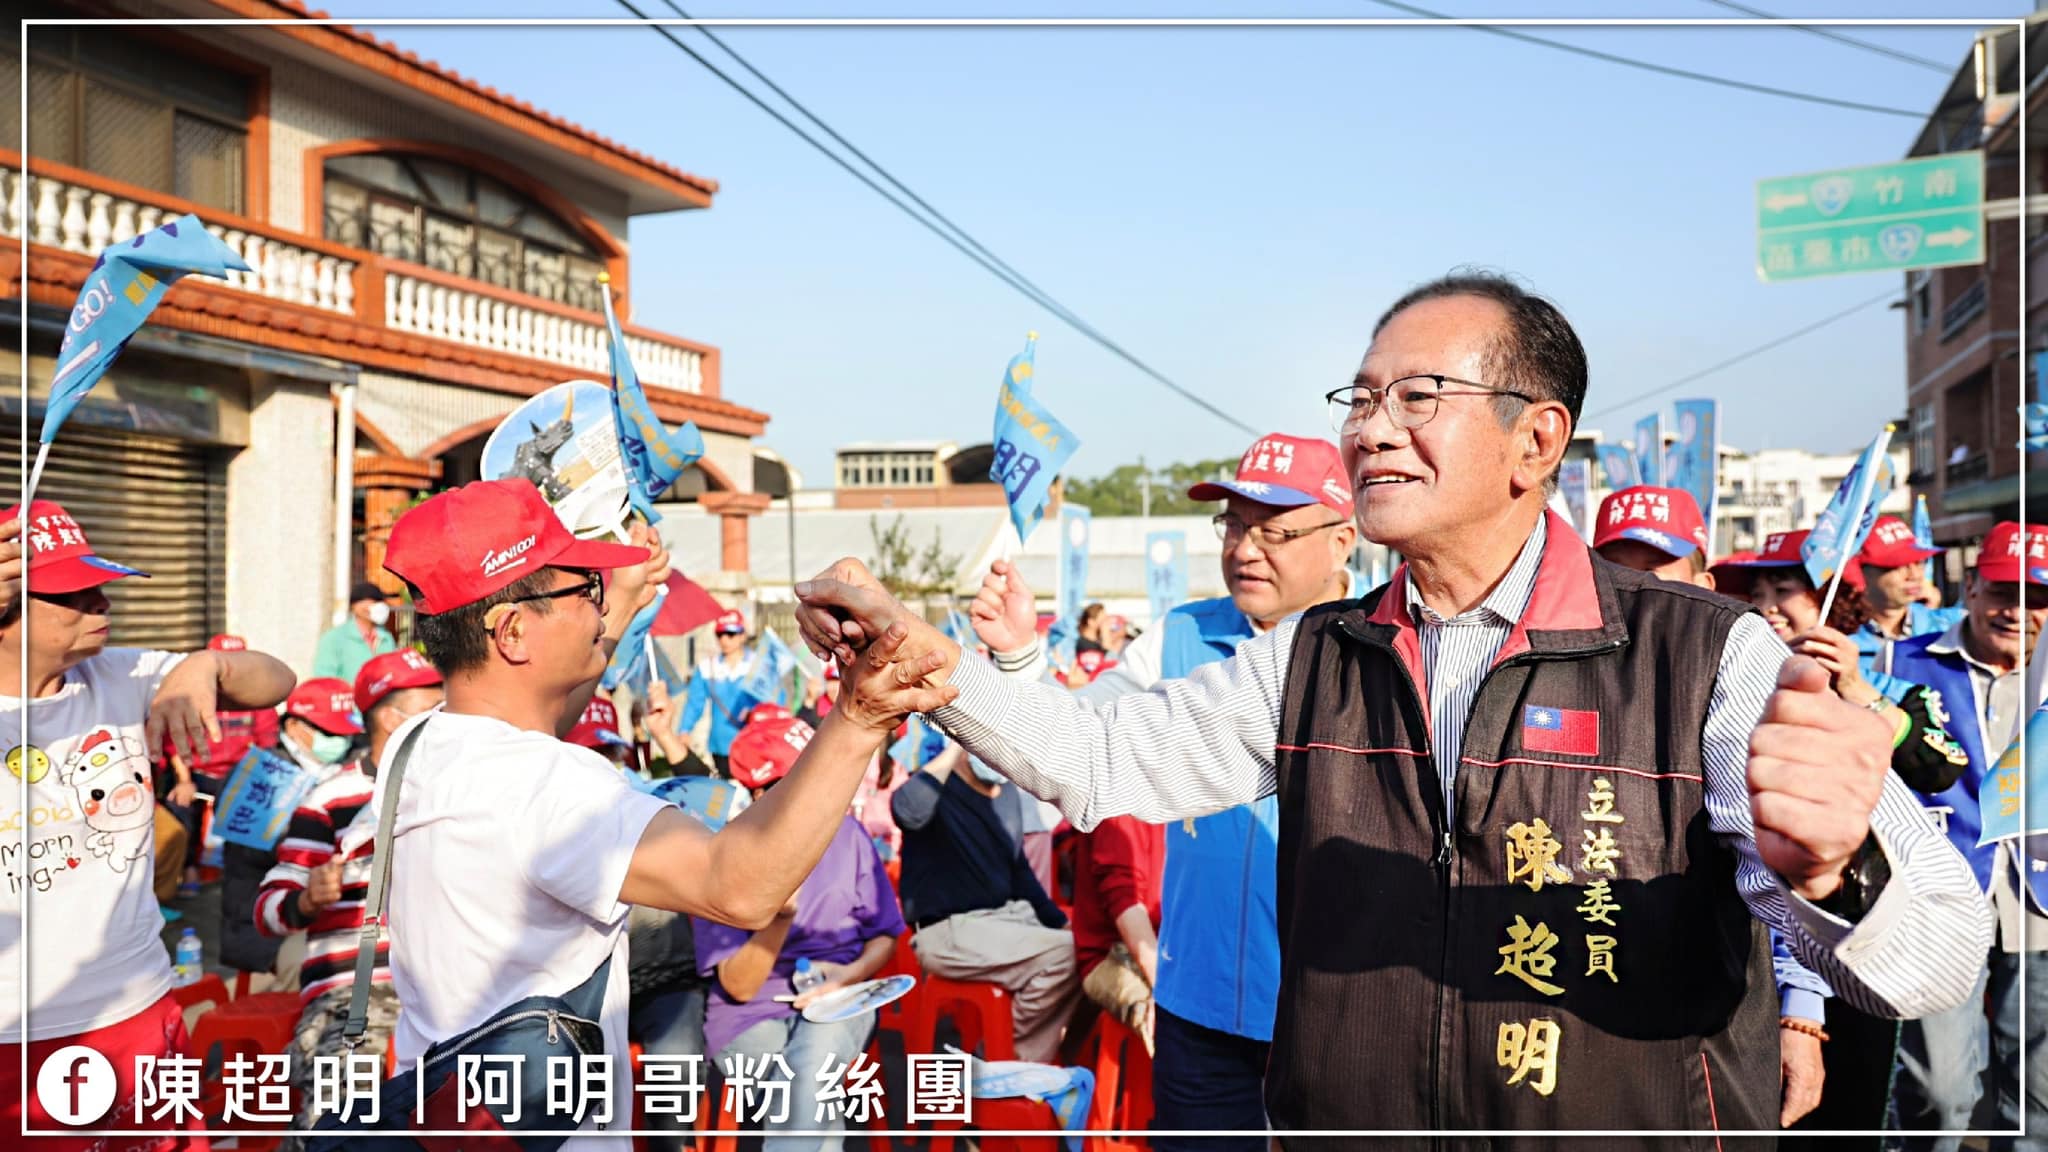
{"x": 1779, "y": 201}
{"x": 1953, "y": 238}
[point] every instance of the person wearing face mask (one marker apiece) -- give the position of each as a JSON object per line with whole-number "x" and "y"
{"x": 320, "y": 722}
{"x": 347, "y": 646}
{"x": 977, "y": 910}
{"x": 323, "y": 870}
{"x": 1979, "y": 667}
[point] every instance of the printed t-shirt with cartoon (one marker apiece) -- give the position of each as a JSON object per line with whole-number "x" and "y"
{"x": 95, "y": 951}
{"x": 508, "y": 854}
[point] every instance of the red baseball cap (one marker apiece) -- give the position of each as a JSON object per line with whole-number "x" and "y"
{"x": 766, "y": 749}
{"x": 2009, "y": 555}
{"x": 59, "y": 559}
{"x": 1780, "y": 550}
{"x": 469, "y": 542}
{"x": 1891, "y": 545}
{"x": 392, "y": 672}
{"x": 327, "y": 703}
{"x": 730, "y": 624}
{"x": 226, "y": 643}
{"x": 1667, "y": 519}
{"x": 599, "y": 726}
{"x": 1285, "y": 472}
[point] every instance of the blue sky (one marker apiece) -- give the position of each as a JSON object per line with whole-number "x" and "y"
{"x": 1236, "y": 206}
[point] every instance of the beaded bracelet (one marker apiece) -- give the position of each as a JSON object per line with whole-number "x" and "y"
{"x": 1807, "y": 1027}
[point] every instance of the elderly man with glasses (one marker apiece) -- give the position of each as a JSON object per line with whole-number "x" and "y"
{"x": 1532, "y": 804}
{"x": 1213, "y": 969}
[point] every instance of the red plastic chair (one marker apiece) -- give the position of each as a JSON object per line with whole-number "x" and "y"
{"x": 1015, "y": 1114}
{"x": 1121, "y": 1065}
{"x": 250, "y": 1035}
{"x": 208, "y": 989}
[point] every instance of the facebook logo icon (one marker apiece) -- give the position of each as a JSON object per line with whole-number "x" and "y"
{"x": 76, "y": 1085}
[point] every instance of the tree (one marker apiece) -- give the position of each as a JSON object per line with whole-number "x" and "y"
{"x": 910, "y": 573}
{"x": 1120, "y": 493}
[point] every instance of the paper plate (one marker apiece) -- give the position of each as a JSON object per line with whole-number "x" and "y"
{"x": 858, "y": 999}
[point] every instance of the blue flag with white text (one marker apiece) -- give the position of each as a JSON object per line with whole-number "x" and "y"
{"x": 125, "y": 285}
{"x": 652, "y": 455}
{"x": 1031, "y": 445}
{"x": 1839, "y": 531}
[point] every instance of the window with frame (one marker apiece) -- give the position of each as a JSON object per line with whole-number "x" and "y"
{"x": 1921, "y": 295}
{"x": 1924, "y": 458}
{"x": 132, "y": 110}
{"x": 430, "y": 211}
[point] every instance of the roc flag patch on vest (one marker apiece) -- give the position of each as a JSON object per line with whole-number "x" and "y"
{"x": 1566, "y": 730}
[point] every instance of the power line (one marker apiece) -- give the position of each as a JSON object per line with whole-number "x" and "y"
{"x": 1662, "y": 69}
{"x": 1739, "y": 357}
{"x": 1844, "y": 38}
{"x": 964, "y": 243}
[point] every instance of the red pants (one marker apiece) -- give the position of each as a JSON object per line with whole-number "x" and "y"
{"x": 158, "y": 1030}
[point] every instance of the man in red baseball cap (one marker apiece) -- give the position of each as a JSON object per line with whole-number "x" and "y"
{"x": 322, "y": 873}
{"x": 320, "y": 721}
{"x": 1895, "y": 592}
{"x": 516, "y": 853}
{"x": 99, "y": 717}
{"x": 1654, "y": 530}
{"x": 1979, "y": 667}
{"x": 598, "y": 730}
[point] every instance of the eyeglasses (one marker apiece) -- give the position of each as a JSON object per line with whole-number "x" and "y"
{"x": 592, "y": 588}
{"x": 1267, "y": 537}
{"x": 1411, "y": 401}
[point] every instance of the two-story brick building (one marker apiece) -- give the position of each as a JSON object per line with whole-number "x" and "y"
{"x": 1970, "y": 337}
{"x": 425, "y": 254}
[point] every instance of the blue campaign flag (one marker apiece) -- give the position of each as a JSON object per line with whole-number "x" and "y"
{"x": 2035, "y": 417}
{"x": 2011, "y": 776}
{"x": 257, "y": 803}
{"x": 1649, "y": 447}
{"x": 773, "y": 662}
{"x": 125, "y": 285}
{"x": 1697, "y": 458}
{"x": 1074, "y": 526}
{"x": 921, "y": 744}
{"x": 629, "y": 660}
{"x": 1031, "y": 445}
{"x": 1839, "y": 531}
{"x": 1618, "y": 464}
{"x": 1923, "y": 535}
{"x": 1166, "y": 572}
{"x": 652, "y": 455}
{"x": 1059, "y": 642}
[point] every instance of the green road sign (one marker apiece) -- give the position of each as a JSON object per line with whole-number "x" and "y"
{"x": 1921, "y": 213}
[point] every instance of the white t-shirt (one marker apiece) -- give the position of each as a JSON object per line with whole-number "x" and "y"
{"x": 508, "y": 855}
{"x": 96, "y": 954}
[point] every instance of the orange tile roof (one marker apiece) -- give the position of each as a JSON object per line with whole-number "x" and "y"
{"x": 411, "y": 61}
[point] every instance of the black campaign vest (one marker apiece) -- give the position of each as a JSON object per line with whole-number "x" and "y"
{"x": 1458, "y": 977}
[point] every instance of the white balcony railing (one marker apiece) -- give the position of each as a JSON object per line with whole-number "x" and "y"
{"x": 431, "y": 308}
{"x": 85, "y": 220}
{"x": 78, "y": 218}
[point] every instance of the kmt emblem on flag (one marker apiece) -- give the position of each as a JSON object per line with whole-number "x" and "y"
{"x": 1566, "y": 730}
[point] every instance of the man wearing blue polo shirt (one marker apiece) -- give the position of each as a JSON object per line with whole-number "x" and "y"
{"x": 1286, "y": 529}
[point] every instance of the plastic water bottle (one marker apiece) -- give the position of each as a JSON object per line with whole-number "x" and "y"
{"x": 191, "y": 960}
{"x": 806, "y": 977}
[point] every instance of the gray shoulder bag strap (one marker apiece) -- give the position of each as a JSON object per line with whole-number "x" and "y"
{"x": 380, "y": 883}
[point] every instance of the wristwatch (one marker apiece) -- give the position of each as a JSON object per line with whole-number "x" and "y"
{"x": 1863, "y": 880}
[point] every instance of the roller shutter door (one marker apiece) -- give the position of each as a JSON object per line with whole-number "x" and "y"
{"x": 156, "y": 504}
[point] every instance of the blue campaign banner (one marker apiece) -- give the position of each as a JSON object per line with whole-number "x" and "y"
{"x": 1839, "y": 530}
{"x": 653, "y": 456}
{"x": 257, "y": 803}
{"x": 1999, "y": 795}
{"x": 1074, "y": 526}
{"x": 1649, "y": 449}
{"x": 713, "y": 802}
{"x": 1166, "y": 572}
{"x": 1697, "y": 459}
{"x": 1575, "y": 483}
{"x": 1618, "y": 465}
{"x": 1031, "y": 445}
{"x": 125, "y": 285}
{"x": 629, "y": 659}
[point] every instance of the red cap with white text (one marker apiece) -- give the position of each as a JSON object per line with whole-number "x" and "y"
{"x": 469, "y": 542}
{"x": 1285, "y": 472}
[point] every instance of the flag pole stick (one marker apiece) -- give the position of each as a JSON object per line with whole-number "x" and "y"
{"x": 1877, "y": 460}
{"x": 35, "y": 478}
